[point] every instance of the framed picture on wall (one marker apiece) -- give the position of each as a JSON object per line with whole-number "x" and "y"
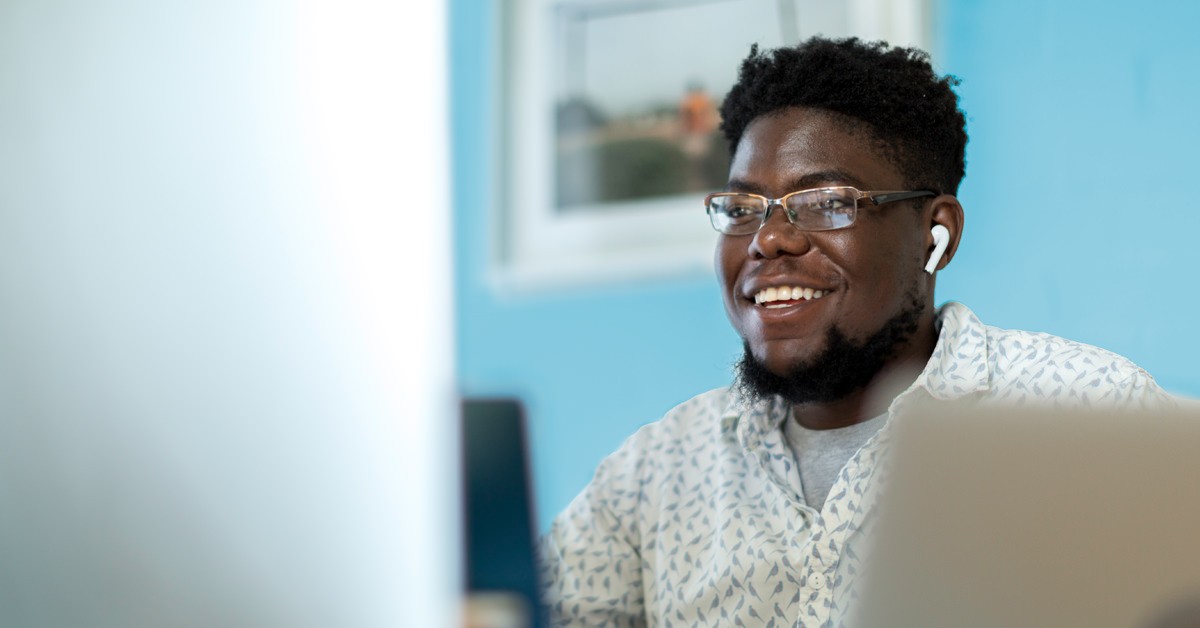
{"x": 610, "y": 127}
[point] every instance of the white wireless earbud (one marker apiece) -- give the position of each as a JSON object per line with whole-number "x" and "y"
{"x": 941, "y": 238}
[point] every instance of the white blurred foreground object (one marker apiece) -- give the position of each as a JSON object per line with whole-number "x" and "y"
{"x": 1037, "y": 517}
{"x": 225, "y": 347}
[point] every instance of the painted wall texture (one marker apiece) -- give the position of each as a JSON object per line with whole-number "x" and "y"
{"x": 1079, "y": 223}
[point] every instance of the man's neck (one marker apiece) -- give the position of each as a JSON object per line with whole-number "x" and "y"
{"x": 873, "y": 399}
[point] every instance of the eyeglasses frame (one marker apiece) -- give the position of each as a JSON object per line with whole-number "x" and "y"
{"x": 876, "y": 198}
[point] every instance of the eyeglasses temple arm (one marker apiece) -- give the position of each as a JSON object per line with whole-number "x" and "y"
{"x": 892, "y": 197}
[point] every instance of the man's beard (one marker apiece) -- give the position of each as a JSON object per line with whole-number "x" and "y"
{"x": 844, "y": 367}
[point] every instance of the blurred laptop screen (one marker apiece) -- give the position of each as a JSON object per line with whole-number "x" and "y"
{"x": 1039, "y": 517}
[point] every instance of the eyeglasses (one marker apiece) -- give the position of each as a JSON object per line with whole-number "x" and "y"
{"x": 823, "y": 209}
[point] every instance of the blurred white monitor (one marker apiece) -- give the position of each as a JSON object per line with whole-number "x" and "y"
{"x": 226, "y": 380}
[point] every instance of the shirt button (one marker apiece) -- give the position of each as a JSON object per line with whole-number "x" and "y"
{"x": 816, "y": 581}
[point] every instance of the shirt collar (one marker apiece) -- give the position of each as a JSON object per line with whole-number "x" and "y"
{"x": 959, "y": 364}
{"x": 765, "y": 414}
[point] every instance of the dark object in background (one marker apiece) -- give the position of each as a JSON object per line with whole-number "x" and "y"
{"x": 501, "y": 573}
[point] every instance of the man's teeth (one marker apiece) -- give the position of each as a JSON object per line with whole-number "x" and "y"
{"x": 786, "y": 293}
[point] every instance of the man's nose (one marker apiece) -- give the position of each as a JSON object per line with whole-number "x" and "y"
{"x": 778, "y": 237}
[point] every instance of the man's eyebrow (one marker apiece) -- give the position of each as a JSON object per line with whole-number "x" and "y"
{"x": 742, "y": 185}
{"x": 823, "y": 178}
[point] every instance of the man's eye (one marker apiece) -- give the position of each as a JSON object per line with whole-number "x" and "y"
{"x": 741, "y": 212}
{"x": 834, "y": 204}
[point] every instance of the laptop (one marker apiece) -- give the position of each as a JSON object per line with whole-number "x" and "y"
{"x": 1029, "y": 517}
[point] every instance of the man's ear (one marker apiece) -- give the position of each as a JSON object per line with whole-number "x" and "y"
{"x": 945, "y": 210}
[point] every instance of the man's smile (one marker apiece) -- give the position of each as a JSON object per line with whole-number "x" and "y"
{"x": 785, "y": 296}
{"x": 789, "y": 309}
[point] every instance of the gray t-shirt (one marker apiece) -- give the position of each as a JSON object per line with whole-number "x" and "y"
{"x": 821, "y": 454}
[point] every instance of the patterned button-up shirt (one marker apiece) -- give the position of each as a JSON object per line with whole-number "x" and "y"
{"x": 699, "y": 519}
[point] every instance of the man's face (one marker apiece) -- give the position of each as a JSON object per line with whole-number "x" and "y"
{"x": 868, "y": 272}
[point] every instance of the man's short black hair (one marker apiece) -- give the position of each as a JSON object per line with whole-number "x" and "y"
{"x": 906, "y": 106}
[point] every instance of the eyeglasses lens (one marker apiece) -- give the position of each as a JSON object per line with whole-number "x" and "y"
{"x": 822, "y": 210}
{"x": 737, "y": 214}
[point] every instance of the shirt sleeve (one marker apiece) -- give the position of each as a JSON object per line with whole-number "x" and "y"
{"x": 590, "y": 564}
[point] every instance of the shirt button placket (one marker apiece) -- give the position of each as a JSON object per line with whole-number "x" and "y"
{"x": 815, "y": 582}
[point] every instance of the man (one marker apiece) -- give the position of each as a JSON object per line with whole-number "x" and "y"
{"x": 743, "y": 506}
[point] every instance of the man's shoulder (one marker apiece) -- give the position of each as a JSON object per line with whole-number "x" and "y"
{"x": 707, "y": 406}
{"x": 1018, "y": 366}
{"x": 1042, "y": 365}
{"x": 701, "y": 416}
{"x": 702, "y": 424}
{"x": 1024, "y": 354}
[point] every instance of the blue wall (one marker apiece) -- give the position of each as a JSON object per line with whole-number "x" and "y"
{"x": 1082, "y": 125}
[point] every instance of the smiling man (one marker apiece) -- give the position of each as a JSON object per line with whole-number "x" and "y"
{"x": 744, "y": 505}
